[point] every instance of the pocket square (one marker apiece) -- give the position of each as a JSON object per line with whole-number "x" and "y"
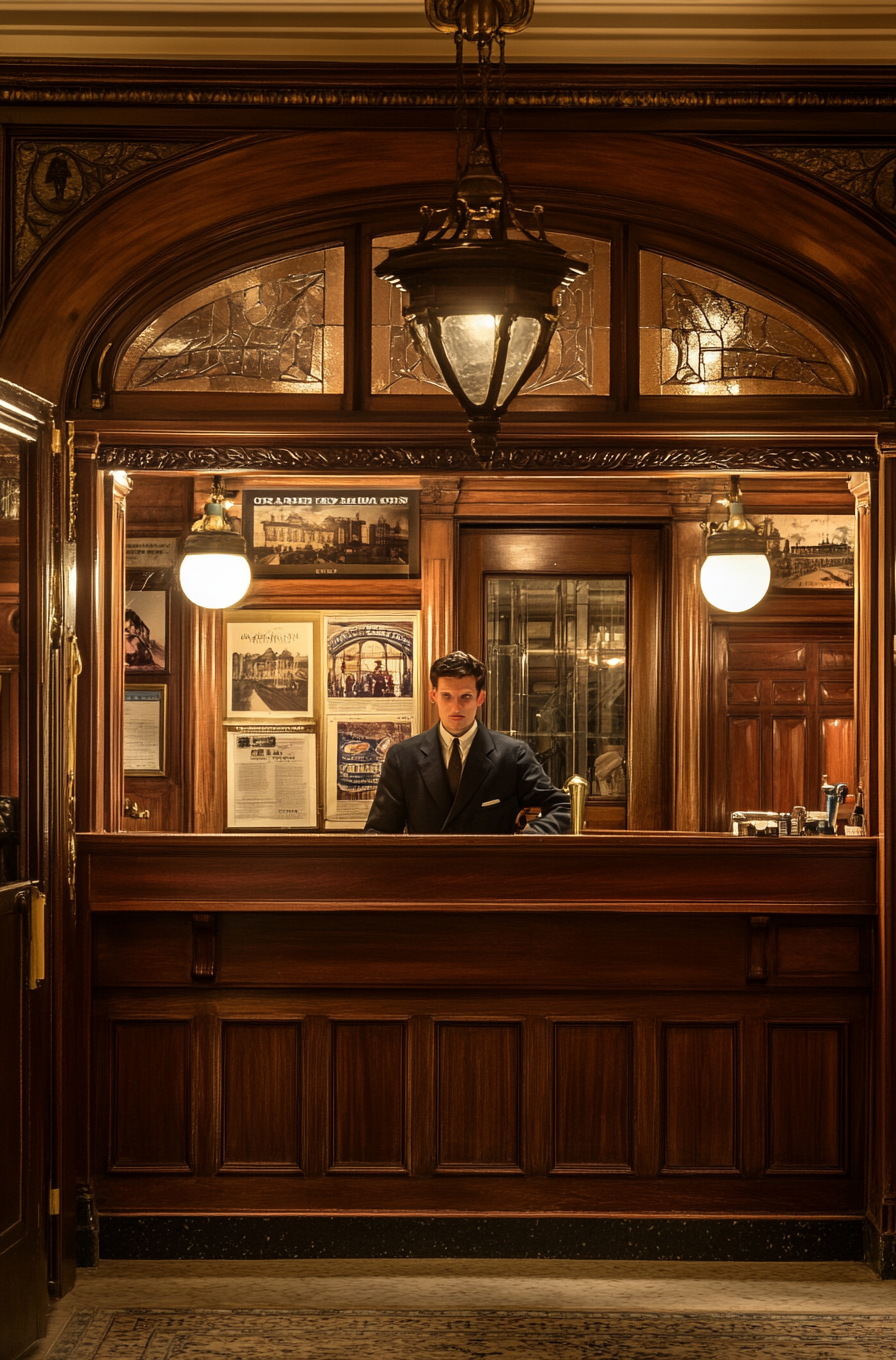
{"x": 491, "y": 802}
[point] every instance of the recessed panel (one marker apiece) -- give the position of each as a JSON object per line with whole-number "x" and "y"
{"x": 788, "y": 692}
{"x": 838, "y": 751}
{"x": 151, "y": 1095}
{"x": 743, "y": 764}
{"x": 260, "y": 1095}
{"x": 806, "y": 1093}
{"x": 701, "y": 1100}
{"x": 789, "y": 762}
{"x": 766, "y": 656}
{"x": 369, "y": 1095}
{"x": 835, "y": 692}
{"x": 744, "y": 691}
{"x": 592, "y": 1096}
{"x": 479, "y": 1097}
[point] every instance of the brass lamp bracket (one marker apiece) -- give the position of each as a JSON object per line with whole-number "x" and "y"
{"x": 479, "y": 20}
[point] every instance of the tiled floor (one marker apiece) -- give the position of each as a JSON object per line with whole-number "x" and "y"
{"x": 602, "y": 1286}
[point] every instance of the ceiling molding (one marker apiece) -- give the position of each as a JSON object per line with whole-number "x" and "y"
{"x": 281, "y": 85}
{"x": 606, "y": 31}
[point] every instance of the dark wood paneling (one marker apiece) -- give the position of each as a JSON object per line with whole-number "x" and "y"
{"x": 819, "y": 951}
{"x": 655, "y": 872}
{"x": 150, "y": 1108}
{"x": 700, "y": 1107}
{"x": 838, "y": 751}
{"x": 743, "y": 763}
{"x": 260, "y": 1118}
{"x": 759, "y": 655}
{"x": 478, "y": 1115}
{"x": 806, "y": 1098}
{"x": 369, "y": 1095}
{"x": 593, "y": 1097}
{"x": 789, "y": 780}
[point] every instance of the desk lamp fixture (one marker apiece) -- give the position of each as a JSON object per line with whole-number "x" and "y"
{"x": 736, "y": 573}
{"x": 481, "y": 304}
{"x": 214, "y": 565}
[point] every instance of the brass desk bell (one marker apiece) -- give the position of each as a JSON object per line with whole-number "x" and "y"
{"x": 577, "y": 789}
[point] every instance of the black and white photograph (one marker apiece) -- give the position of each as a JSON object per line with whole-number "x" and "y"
{"x": 269, "y": 669}
{"x": 810, "y": 552}
{"x": 343, "y": 532}
{"x": 145, "y": 632}
{"x": 370, "y": 659}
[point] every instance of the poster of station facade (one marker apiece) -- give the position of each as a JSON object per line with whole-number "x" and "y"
{"x": 337, "y": 532}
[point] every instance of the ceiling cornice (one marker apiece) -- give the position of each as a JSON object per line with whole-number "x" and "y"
{"x": 58, "y": 83}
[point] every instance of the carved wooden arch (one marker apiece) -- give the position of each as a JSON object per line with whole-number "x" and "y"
{"x": 313, "y": 178}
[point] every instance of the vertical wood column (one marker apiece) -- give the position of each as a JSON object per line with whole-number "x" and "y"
{"x": 689, "y": 657}
{"x": 116, "y": 486}
{"x": 204, "y": 782}
{"x": 881, "y": 616}
{"x": 862, "y": 486}
{"x": 90, "y": 625}
{"x": 438, "y": 497}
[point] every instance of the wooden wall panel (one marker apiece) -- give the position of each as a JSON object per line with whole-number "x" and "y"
{"x": 478, "y": 1117}
{"x": 260, "y": 1096}
{"x": 744, "y": 790}
{"x": 819, "y": 951}
{"x": 789, "y": 780}
{"x": 593, "y": 1108}
{"x": 369, "y": 1095}
{"x": 700, "y": 1097}
{"x": 838, "y": 751}
{"x": 151, "y": 1088}
{"x": 806, "y": 1098}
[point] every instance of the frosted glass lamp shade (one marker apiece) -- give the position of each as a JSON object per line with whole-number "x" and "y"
{"x": 735, "y": 581}
{"x": 214, "y": 572}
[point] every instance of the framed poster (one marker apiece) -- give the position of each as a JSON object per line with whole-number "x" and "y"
{"x": 269, "y": 668}
{"x": 356, "y": 749}
{"x": 144, "y": 729}
{"x": 145, "y": 632}
{"x": 371, "y": 661}
{"x": 271, "y": 778}
{"x": 343, "y": 531}
{"x": 810, "y": 552}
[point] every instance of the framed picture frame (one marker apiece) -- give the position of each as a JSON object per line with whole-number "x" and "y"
{"x": 343, "y": 531}
{"x": 144, "y": 730}
{"x": 269, "y": 667}
{"x": 150, "y": 554}
{"x": 145, "y": 632}
{"x": 271, "y": 778}
{"x": 810, "y": 552}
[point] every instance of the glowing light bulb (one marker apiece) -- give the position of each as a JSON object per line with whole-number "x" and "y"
{"x": 735, "y": 581}
{"x": 215, "y": 580}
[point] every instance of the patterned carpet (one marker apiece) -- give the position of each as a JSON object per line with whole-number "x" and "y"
{"x": 337, "y": 1334}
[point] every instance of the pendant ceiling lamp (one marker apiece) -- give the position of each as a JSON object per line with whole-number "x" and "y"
{"x": 736, "y": 573}
{"x": 214, "y": 566}
{"x": 481, "y": 304}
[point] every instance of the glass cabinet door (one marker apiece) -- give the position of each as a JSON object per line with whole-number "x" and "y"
{"x": 556, "y": 651}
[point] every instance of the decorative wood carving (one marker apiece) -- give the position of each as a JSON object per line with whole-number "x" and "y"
{"x": 159, "y": 83}
{"x": 53, "y": 180}
{"x": 459, "y": 457}
{"x": 865, "y": 173}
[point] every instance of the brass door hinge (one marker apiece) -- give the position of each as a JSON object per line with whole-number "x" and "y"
{"x": 54, "y": 1202}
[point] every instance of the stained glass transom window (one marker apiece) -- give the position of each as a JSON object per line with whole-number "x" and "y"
{"x": 576, "y": 364}
{"x": 706, "y": 335}
{"x": 275, "y": 328}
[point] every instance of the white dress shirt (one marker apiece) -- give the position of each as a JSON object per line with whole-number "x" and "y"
{"x": 466, "y": 741}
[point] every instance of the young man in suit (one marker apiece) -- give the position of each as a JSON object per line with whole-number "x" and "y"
{"x": 460, "y": 779}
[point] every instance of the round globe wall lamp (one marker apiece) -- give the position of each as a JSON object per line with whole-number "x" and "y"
{"x": 481, "y": 305}
{"x": 214, "y": 565}
{"x": 736, "y": 573}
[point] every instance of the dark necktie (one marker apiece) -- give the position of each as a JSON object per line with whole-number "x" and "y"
{"x": 455, "y": 767}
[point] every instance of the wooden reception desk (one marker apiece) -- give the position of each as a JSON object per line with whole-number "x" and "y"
{"x": 617, "y": 1024}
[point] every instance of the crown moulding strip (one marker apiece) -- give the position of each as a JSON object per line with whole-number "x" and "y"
{"x": 399, "y": 458}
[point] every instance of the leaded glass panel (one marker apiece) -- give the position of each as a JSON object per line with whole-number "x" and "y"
{"x": 576, "y": 364}
{"x": 706, "y": 335}
{"x": 276, "y": 328}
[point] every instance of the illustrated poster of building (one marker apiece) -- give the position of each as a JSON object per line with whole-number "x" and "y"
{"x": 810, "y": 552}
{"x": 356, "y": 533}
{"x": 269, "y": 669}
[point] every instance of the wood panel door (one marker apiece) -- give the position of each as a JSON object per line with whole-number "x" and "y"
{"x": 23, "y": 1266}
{"x": 552, "y": 551}
{"x": 783, "y": 716}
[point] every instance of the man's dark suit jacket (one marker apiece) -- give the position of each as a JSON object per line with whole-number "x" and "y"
{"x": 500, "y": 776}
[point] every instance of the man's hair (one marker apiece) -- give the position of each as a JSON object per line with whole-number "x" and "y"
{"x": 457, "y": 664}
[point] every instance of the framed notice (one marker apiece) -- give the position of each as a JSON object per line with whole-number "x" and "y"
{"x": 144, "y": 729}
{"x": 340, "y": 531}
{"x": 150, "y": 554}
{"x": 271, "y": 779}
